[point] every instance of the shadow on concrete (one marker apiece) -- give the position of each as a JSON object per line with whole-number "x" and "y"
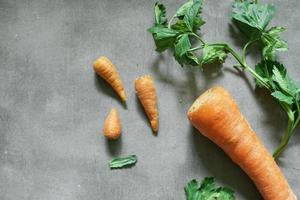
{"x": 114, "y": 146}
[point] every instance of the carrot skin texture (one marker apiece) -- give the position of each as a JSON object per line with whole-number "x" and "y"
{"x": 112, "y": 125}
{"x": 106, "y": 69}
{"x": 146, "y": 93}
{"x": 216, "y": 115}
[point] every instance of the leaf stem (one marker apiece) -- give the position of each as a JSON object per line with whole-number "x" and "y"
{"x": 195, "y": 48}
{"x": 244, "y": 65}
{"x": 198, "y": 37}
{"x": 248, "y": 44}
{"x": 170, "y": 22}
{"x": 284, "y": 141}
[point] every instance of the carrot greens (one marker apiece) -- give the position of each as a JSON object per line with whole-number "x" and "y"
{"x": 207, "y": 190}
{"x": 252, "y": 19}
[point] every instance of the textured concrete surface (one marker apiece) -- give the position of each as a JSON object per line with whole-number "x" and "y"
{"x": 52, "y": 105}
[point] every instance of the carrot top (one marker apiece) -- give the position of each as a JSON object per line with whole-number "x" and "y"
{"x": 253, "y": 19}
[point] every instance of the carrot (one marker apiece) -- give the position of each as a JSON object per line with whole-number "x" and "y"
{"x": 146, "y": 93}
{"x": 216, "y": 115}
{"x": 106, "y": 69}
{"x": 112, "y": 125}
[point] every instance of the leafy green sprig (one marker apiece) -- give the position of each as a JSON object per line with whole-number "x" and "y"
{"x": 207, "y": 190}
{"x": 252, "y": 19}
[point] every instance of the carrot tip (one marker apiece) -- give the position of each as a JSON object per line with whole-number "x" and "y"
{"x": 123, "y": 96}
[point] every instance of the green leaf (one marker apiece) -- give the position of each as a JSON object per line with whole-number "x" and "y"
{"x": 183, "y": 45}
{"x": 184, "y": 8}
{"x": 207, "y": 191}
{"x": 160, "y": 14}
{"x": 164, "y": 37}
{"x": 279, "y": 77}
{"x": 265, "y": 70}
{"x": 180, "y": 26}
{"x": 272, "y": 42}
{"x": 254, "y": 15}
{"x": 188, "y": 59}
{"x": 191, "y": 188}
{"x": 181, "y": 51}
{"x": 214, "y": 53}
{"x": 276, "y": 75}
{"x": 192, "y": 17}
{"x": 122, "y": 162}
{"x": 282, "y": 97}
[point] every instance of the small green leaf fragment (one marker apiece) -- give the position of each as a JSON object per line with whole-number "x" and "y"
{"x": 117, "y": 163}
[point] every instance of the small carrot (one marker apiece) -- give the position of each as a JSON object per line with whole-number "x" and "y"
{"x": 146, "y": 93}
{"x": 112, "y": 125}
{"x": 216, "y": 115}
{"x": 106, "y": 69}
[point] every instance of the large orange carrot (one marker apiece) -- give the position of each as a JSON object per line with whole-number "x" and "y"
{"x": 112, "y": 125}
{"x": 146, "y": 92}
{"x": 216, "y": 115}
{"x": 106, "y": 69}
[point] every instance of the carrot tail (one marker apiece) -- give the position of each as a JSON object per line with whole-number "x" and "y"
{"x": 105, "y": 68}
{"x": 146, "y": 93}
{"x": 216, "y": 115}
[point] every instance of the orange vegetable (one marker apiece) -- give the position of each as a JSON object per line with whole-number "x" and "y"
{"x": 112, "y": 125}
{"x": 216, "y": 115}
{"x": 146, "y": 93}
{"x": 106, "y": 69}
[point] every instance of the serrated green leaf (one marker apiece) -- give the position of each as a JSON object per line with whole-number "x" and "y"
{"x": 183, "y": 45}
{"x": 164, "y": 37}
{"x": 213, "y": 53}
{"x": 282, "y": 97}
{"x": 272, "y": 42}
{"x": 180, "y": 26}
{"x": 192, "y": 17}
{"x": 265, "y": 69}
{"x": 122, "y": 162}
{"x": 254, "y": 15}
{"x": 276, "y": 75}
{"x": 279, "y": 78}
{"x": 207, "y": 191}
{"x": 191, "y": 188}
{"x": 160, "y": 14}
{"x": 183, "y": 9}
{"x": 188, "y": 59}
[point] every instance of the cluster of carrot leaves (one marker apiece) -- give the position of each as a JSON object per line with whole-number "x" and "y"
{"x": 207, "y": 190}
{"x": 252, "y": 19}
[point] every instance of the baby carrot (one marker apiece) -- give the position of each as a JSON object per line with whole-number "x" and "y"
{"x": 146, "y": 93}
{"x": 105, "y": 68}
{"x": 112, "y": 125}
{"x": 216, "y": 115}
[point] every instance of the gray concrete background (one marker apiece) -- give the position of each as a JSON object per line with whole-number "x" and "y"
{"x": 52, "y": 106}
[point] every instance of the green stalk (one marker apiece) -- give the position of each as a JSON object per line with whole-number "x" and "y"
{"x": 285, "y": 139}
{"x": 170, "y": 22}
